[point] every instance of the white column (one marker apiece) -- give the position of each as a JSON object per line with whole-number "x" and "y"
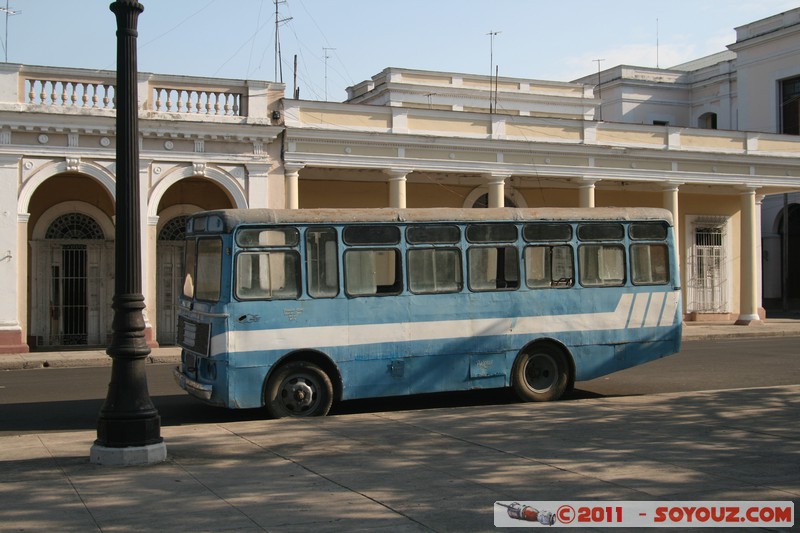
{"x": 497, "y": 189}
{"x": 397, "y": 187}
{"x": 670, "y": 197}
{"x": 586, "y": 192}
{"x": 22, "y": 278}
{"x": 759, "y": 262}
{"x": 147, "y": 246}
{"x": 292, "y": 174}
{"x": 748, "y": 291}
{"x": 150, "y": 280}
{"x": 11, "y": 340}
{"x": 257, "y": 184}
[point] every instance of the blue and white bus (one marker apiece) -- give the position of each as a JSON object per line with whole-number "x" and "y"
{"x": 296, "y": 309}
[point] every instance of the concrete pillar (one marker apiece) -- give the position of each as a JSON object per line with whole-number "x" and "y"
{"x": 748, "y": 291}
{"x": 257, "y": 185}
{"x": 586, "y": 192}
{"x": 397, "y": 187}
{"x": 762, "y": 313}
{"x": 670, "y": 197}
{"x": 21, "y": 295}
{"x": 497, "y": 189}
{"x": 292, "y": 174}
{"x": 150, "y": 280}
{"x": 12, "y": 254}
{"x": 148, "y": 238}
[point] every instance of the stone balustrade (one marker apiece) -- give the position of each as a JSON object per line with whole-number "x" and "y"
{"x": 68, "y": 90}
{"x": 212, "y": 101}
{"x": 65, "y": 92}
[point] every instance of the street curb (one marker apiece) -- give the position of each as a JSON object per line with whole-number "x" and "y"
{"x": 27, "y": 363}
{"x": 714, "y": 336}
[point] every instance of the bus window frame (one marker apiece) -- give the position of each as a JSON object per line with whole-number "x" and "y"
{"x": 338, "y": 262}
{"x": 287, "y": 252}
{"x": 459, "y": 255}
{"x": 497, "y": 247}
{"x": 287, "y": 231}
{"x": 603, "y": 245}
{"x": 398, "y": 286}
{"x": 667, "y": 266}
{"x": 197, "y": 282}
{"x": 560, "y": 283}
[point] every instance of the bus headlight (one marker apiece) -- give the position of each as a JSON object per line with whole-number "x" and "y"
{"x": 208, "y": 369}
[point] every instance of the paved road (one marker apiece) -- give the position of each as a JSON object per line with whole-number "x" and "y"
{"x": 59, "y": 399}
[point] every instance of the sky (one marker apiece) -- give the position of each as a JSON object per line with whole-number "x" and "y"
{"x": 342, "y": 43}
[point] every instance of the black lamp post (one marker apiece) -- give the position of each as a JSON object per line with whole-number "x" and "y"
{"x": 129, "y": 427}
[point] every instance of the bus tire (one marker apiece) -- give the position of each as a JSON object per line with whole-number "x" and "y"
{"x": 540, "y": 373}
{"x": 298, "y": 388}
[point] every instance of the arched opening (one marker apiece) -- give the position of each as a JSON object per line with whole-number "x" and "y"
{"x": 790, "y": 255}
{"x": 183, "y": 198}
{"x": 479, "y": 197}
{"x": 483, "y": 201}
{"x": 71, "y": 263}
{"x": 198, "y": 191}
{"x": 170, "y": 268}
{"x": 707, "y": 121}
{"x": 70, "y": 294}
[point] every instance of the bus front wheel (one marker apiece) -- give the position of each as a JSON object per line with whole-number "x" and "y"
{"x": 540, "y": 374}
{"x": 299, "y": 388}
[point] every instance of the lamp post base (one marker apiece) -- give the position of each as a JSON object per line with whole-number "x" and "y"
{"x": 129, "y": 456}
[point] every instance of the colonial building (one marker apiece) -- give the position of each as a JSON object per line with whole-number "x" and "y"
{"x": 203, "y": 144}
{"x": 686, "y": 139}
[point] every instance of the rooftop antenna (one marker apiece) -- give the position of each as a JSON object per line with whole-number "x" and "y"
{"x": 657, "y": 44}
{"x": 8, "y": 12}
{"x": 599, "y": 89}
{"x": 326, "y": 57}
{"x": 491, "y": 35}
{"x": 278, "y": 22}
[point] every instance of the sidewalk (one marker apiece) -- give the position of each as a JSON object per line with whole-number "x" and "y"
{"x": 778, "y": 327}
{"x": 420, "y": 470}
{"x": 417, "y": 470}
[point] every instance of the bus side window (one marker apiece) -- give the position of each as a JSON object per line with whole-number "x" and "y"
{"x": 602, "y": 265}
{"x": 372, "y": 272}
{"x": 322, "y": 263}
{"x": 267, "y": 275}
{"x": 434, "y": 270}
{"x": 493, "y": 268}
{"x": 548, "y": 266}
{"x": 649, "y": 264}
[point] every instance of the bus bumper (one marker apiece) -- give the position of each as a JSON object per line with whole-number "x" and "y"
{"x": 194, "y": 388}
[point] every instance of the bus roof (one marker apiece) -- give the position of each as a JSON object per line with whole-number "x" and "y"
{"x": 234, "y": 217}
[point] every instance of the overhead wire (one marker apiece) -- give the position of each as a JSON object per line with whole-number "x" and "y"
{"x": 179, "y": 24}
{"x": 253, "y": 42}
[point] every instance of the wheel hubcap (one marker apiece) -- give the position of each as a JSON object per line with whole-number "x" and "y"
{"x": 297, "y": 394}
{"x": 541, "y": 372}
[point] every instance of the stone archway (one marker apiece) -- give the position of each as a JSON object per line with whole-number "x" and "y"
{"x": 170, "y": 251}
{"x": 790, "y": 255}
{"x": 70, "y": 263}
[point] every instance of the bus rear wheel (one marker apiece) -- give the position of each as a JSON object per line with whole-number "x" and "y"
{"x": 299, "y": 388}
{"x": 540, "y": 374}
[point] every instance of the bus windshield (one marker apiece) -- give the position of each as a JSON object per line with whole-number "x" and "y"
{"x": 203, "y": 270}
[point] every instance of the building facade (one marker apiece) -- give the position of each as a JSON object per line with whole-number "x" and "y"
{"x": 203, "y": 144}
{"x": 405, "y": 138}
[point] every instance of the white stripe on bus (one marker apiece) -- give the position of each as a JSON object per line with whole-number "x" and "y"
{"x": 668, "y": 314}
{"x": 638, "y": 313}
{"x": 654, "y": 311}
{"x": 354, "y": 335}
